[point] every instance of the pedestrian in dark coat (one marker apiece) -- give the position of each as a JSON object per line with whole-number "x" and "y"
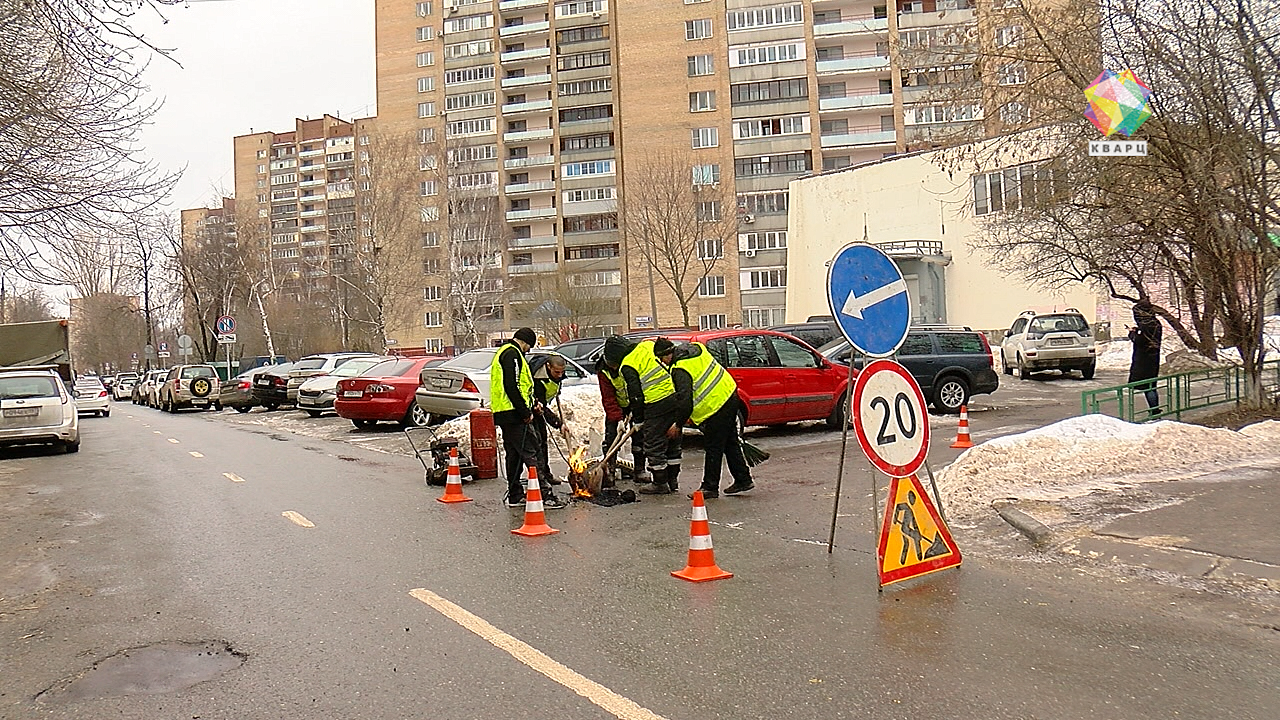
{"x": 1146, "y": 336}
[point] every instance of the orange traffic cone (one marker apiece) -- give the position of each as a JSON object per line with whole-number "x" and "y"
{"x": 535, "y": 518}
{"x": 962, "y": 434}
{"x": 702, "y": 558}
{"x": 453, "y": 481}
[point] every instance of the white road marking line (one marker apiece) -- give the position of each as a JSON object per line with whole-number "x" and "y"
{"x": 156, "y": 432}
{"x": 172, "y": 440}
{"x": 193, "y": 453}
{"x": 606, "y": 699}
{"x": 233, "y": 477}
{"x": 297, "y": 519}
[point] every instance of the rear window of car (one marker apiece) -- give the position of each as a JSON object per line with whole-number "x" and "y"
{"x": 916, "y": 344}
{"x": 13, "y": 388}
{"x": 198, "y": 372}
{"x": 1058, "y": 323}
{"x": 355, "y": 367}
{"x": 960, "y": 343}
{"x": 472, "y": 360}
{"x": 390, "y": 368}
{"x": 312, "y": 364}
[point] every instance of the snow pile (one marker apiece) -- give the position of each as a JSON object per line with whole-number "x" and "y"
{"x": 1080, "y": 455}
{"x": 579, "y": 404}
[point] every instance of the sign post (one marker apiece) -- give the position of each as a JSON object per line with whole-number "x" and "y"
{"x": 226, "y": 330}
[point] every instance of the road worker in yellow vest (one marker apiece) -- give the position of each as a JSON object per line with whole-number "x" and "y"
{"x": 617, "y": 409}
{"x": 511, "y": 399}
{"x": 651, "y": 395}
{"x": 709, "y": 398}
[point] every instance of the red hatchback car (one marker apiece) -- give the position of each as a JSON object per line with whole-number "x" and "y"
{"x": 383, "y": 392}
{"x": 780, "y": 378}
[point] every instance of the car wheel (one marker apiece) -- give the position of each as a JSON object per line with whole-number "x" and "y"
{"x": 270, "y": 407}
{"x": 1004, "y": 362}
{"x": 106, "y": 413}
{"x": 243, "y": 408}
{"x": 1086, "y": 372}
{"x": 1024, "y": 371}
{"x": 364, "y": 424}
{"x": 415, "y": 416}
{"x": 950, "y": 394}
{"x": 71, "y": 447}
{"x": 217, "y": 407}
{"x": 314, "y": 413}
{"x": 838, "y": 413}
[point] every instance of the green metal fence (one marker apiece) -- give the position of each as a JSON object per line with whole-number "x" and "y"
{"x": 1179, "y": 393}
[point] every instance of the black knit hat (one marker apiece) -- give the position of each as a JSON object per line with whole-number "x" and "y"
{"x": 616, "y": 349}
{"x": 527, "y": 335}
{"x": 663, "y": 346}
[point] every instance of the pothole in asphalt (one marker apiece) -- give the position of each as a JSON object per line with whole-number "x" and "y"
{"x": 149, "y": 670}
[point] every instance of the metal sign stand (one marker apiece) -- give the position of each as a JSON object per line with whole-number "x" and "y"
{"x": 844, "y": 444}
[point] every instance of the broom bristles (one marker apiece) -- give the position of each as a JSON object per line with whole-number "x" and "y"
{"x": 752, "y": 454}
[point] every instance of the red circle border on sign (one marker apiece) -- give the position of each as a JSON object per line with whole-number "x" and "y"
{"x": 859, "y": 386}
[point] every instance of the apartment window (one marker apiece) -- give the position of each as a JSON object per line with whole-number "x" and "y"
{"x": 426, "y": 135}
{"x": 701, "y": 65}
{"x": 579, "y": 169}
{"x": 603, "y": 278}
{"x": 581, "y": 7}
{"x": 470, "y": 181}
{"x": 430, "y": 214}
{"x": 766, "y": 16}
{"x": 426, "y": 84}
{"x": 933, "y": 114}
{"x": 711, "y": 322}
{"x": 262, "y": 154}
{"x": 764, "y": 203}
{"x": 583, "y": 87}
{"x": 769, "y": 240}
{"x": 591, "y": 223}
{"x": 763, "y": 317}
{"x": 428, "y": 162}
{"x": 766, "y": 279}
{"x": 429, "y": 188}
{"x": 591, "y": 112}
{"x": 262, "y": 197}
{"x": 594, "y": 141}
{"x": 711, "y": 286}
{"x": 463, "y": 128}
{"x": 702, "y": 101}
{"x": 283, "y": 179}
{"x": 366, "y": 186}
{"x": 706, "y": 174}
{"x": 835, "y": 162}
{"x": 710, "y": 249}
{"x": 591, "y": 252}
{"x": 472, "y": 153}
{"x": 424, "y": 9}
{"x": 468, "y": 22}
{"x": 468, "y": 49}
{"x": 1015, "y": 187}
{"x": 582, "y": 34}
{"x": 430, "y": 239}
{"x": 426, "y": 59}
{"x": 705, "y": 137}
{"x": 579, "y": 61}
{"x": 1015, "y": 113}
{"x": 284, "y": 194}
{"x": 697, "y": 29}
{"x": 773, "y": 164}
{"x": 262, "y": 169}
{"x": 430, "y": 266}
{"x": 763, "y": 54}
{"x": 834, "y": 127}
{"x": 589, "y": 194}
{"x": 425, "y": 33}
{"x": 1008, "y": 36}
{"x": 768, "y": 127}
{"x": 426, "y": 109}
{"x": 708, "y": 211}
{"x": 432, "y": 319}
{"x": 470, "y": 74}
{"x": 465, "y": 101}
{"x": 1015, "y": 73}
{"x": 769, "y": 91}
{"x": 432, "y": 292}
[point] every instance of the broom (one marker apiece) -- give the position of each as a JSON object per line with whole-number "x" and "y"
{"x": 754, "y": 455}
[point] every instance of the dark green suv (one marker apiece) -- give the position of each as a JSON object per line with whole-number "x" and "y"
{"x": 951, "y": 364}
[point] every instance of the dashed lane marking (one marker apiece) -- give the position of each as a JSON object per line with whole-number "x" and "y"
{"x": 297, "y": 519}
{"x": 608, "y": 700}
{"x": 156, "y": 432}
{"x": 233, "y": 477}
{"x": 172, "y": 440}
{"x": 193, "y": 453}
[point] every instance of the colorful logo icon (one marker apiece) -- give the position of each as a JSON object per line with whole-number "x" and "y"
{"x": 1117, "y": 103}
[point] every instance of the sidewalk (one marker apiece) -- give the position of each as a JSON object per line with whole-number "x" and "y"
{"x": 1222, "y": 528}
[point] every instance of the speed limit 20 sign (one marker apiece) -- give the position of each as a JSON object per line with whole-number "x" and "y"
{"x": 889, "y": 418}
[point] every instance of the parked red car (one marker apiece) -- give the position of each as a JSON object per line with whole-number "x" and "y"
{"x": 780, "y": 378}
{"x": 383, "y": 393}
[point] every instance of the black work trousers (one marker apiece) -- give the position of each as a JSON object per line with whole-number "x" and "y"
{"x": 520, "y": 446}
{"x": 721, "y": 440}
{"x": 659, "y": 450}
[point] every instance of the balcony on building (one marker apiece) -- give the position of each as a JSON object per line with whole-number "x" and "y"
{"x": 861, "y": 62}
{"x": 531, "y": 161}
{"x": 312, "y": 196}
{"x": 958, "y": 16}
{"x": 860, "y": 135}
{"x": 528, "y": 135}
{"x": 312, "y": 213}
{"x": 851, "y": 25}
{"x": 311, "y": 153}
{"x": 526, "y": 80}
{"x": 913, "y": 249}
{"x": 518, "y": 56}
{"x": 857, "y": 99}
{"x": 506, "y": 5}
{"x": 316, "y": 182}
{"x": 524, "y": 29}
{"x": 537, "y": 241}
{"x": 528, "y": 106}
{"x": 318, "y": 227}
{"x": 530, "y": 187}
{"x": 341, "y": 189}
{"x": 531, "y": 268}
{"x": 544, "y": 213}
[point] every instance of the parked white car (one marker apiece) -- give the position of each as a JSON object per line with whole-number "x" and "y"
{"x": 92, "y": 397}
{"x": 1049, "y": 341}
{"x": 35, "y": 408}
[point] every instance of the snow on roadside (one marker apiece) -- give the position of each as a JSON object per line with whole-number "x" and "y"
{"x": 1094, "y": 452}
{"x": 580, "y": 405}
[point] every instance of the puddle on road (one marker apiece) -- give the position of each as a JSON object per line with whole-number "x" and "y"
{"x": 149, "y": 670}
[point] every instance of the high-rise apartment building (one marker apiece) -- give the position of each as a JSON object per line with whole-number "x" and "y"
{"x": 557, "y": 105}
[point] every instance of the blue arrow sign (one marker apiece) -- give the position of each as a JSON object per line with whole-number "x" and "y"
{"x": 868, "y": 299}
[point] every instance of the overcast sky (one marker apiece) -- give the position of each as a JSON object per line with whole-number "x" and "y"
{"x": 251, "y": 65}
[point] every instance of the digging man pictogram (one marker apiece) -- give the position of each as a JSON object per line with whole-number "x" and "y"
{"x": 904, "y": 516}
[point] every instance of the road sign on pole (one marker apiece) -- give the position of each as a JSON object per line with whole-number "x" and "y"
{"x": 914, "y": 540}
{"x": 164, "y": 347}
{"x": 868, "y": 298}
{"x": 226, "y": 338}
{"x": 890, "y": 418}
{"x": 226, "y": 325}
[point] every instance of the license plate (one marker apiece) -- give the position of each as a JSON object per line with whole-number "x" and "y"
{"x": 199, "y": 402}
{"x": 1061, "y": 341}
{"x": 351, "y": 393}
{"x": 264, "y": 382}
{"x": 21, "y": 412}
{"x": 440, "y": 383}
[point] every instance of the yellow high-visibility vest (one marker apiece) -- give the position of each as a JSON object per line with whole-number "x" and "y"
{"x": 498, "y": 400}
{"x": 712, "y": 384}
{"x": 655, "y": 378}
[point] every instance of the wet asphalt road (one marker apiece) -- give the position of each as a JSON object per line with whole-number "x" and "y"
{"x": 135, "y": 541}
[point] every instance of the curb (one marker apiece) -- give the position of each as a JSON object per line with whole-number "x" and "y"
{"x": 1036, "y": 531}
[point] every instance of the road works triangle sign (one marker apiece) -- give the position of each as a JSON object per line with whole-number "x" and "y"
{"x": 914, "y": 540}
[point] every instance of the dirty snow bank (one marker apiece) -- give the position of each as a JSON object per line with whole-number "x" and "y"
{"x": 1080, "y": 455}
{"x": 580, "y": 406}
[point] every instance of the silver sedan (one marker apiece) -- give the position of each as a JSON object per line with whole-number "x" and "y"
{"x": 457, "y": 387}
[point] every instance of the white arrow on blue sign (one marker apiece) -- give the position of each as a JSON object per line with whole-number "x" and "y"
{"x": 868, "y": 299}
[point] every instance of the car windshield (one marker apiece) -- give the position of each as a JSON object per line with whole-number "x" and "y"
{"x": 391, "y": 368}
{"x": 12, "y": 388}
{"x": 1058, "y": 323}
{"x": 352, "y": 368}
{"x": 197, "y": 372}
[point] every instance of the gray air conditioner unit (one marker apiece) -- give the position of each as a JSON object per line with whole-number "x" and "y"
{"x": 750, "y": 253}
{"x": 748, "y": 218}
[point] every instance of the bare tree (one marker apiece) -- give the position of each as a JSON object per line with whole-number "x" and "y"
{"x": 1187, "y": 225}
{"x": 677, "y": 224}
{"x": 26, "y": 305}
{"x": 213, "y": 270}
{"x": 477, "y": 237}
{"x": 71, "y": 107}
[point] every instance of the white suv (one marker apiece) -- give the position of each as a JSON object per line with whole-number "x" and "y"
{"x": 1049, "y": 341}
{"x": 35, "y": 407}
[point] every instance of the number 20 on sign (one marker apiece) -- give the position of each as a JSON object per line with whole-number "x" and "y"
{"x": 890, "y": 419}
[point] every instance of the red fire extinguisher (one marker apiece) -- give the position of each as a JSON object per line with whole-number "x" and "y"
{"x": 484, "y": 444}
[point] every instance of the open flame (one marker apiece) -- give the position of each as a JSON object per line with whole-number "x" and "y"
{"x": 577, "y": 473}
{"x": 578, "y": 460}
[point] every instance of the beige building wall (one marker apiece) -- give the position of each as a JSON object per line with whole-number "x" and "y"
{"x": 904, "y": 199}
